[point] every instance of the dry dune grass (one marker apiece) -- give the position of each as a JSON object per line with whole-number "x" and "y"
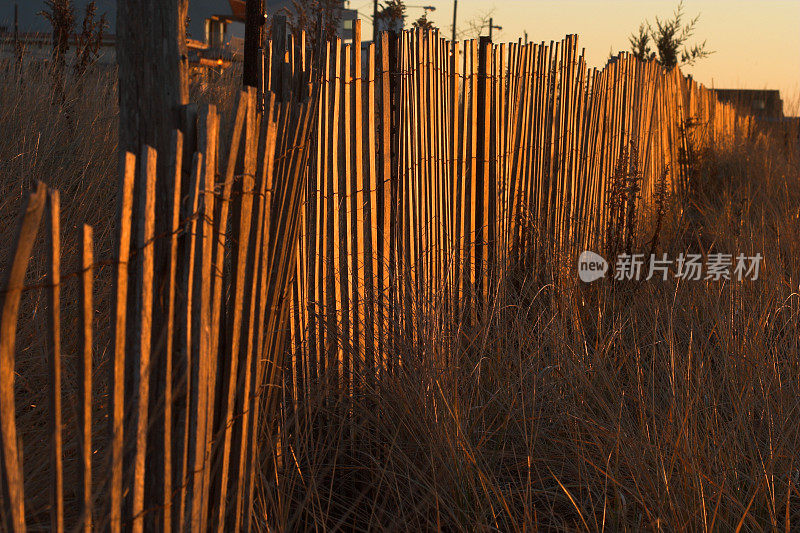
{"x": 72, "y": 147}
{"x": 640, "y": 406}
{"x": 657, "y": 405}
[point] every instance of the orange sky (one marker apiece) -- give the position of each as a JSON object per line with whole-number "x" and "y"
{"x": 756, "y": 42}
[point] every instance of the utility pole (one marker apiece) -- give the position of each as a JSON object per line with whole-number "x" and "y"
{"x": 455, "y": 14}
{"x": 153, "y": 76}
{"x": 253, "y": 26}
{"x": 375, "y": 21}
{"x": 153, "y": 87}
{"x": 493, "y": 27}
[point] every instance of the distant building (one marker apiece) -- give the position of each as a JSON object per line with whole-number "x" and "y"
{"x": 199, "y": 11}
{"x": 346, "y": 24}
{"x": 767, "y": 107}
{"x": 390, "y": 24}
{"x": 765, "y": 104}
{"x": 215, "y": 28}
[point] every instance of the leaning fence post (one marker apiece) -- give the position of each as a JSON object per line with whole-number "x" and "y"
{"x": 11, "y": 456}
{"x": 54, "y": 352}
{"x": 117, "y": 369}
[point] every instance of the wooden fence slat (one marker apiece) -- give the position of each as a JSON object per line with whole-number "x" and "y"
{"x": 311, "y": 355}
{"x": 357, "y": 195}
{"x": 456, "y": 174}
{"x": 55, "y": 425}
{"x": 502, "y": 105}
{"x": 12, "y": 287}
{"x": 85, "y": 376}
{"x": 420, "y": 165}
{"x": 202, "y": 358}
{"x": 334, "y": 300}
{"x": 144, "y": 304}
{"x": 472, "y": 187}
{"x": 343, "y": 249}
{"x": 408, "y": 233}
{"x": 246, "y": 100}
{"x": 181, "y": 361}
{"x": 433, "y": 195}
{"x": 167, "y": 471}
{"x": 521, "y": 159}
{"x": 317, "y": 230}
{"x": 208, "y": 142}
{"x": 386, "y": 248}
{"x": 185, "y": 473}
{"x": 116, "y": 420}
{"x": 441, "y": 74}
{"x": 322, "y": 264}
{"x": 371, "y": 184}
{"x": 485, "y": 200}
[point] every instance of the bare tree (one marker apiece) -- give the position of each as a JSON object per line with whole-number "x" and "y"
{"x": 423, "y": 23}
{"x": 391, "y": 15}
{"x": 313, "y": 17}
{"x": 670, "y": 38}
{"x": 474, "y": 27}
{"x": 89, "y": 39}
{"x": 61, "y": 16}
{"x": 640, "y": 44}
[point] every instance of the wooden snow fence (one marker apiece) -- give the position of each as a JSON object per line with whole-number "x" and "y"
{"x": 187, "y": 393}
{"x": 439, "y": 167}
{"x": 400, "y": 182}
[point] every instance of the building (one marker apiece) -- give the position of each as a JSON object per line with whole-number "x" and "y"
{"x": 215, "y": 28}
{"x": 347, "y": 22}
{"x": 199, "y": 10}
{"x": 763, "y": 104}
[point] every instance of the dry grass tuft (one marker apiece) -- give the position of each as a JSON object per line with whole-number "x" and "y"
{"x": 658, "y": 405}
{"x": 72, "y": 147}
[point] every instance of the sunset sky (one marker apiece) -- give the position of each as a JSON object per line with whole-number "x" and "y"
{"x": 756, "y": 42}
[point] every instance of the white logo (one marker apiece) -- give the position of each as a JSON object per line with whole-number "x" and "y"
{"x": 591, "y": 267}
{"x": 634, "y": 267}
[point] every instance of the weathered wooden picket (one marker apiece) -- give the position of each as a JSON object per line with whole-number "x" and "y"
{"x": 382, "y": 184}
